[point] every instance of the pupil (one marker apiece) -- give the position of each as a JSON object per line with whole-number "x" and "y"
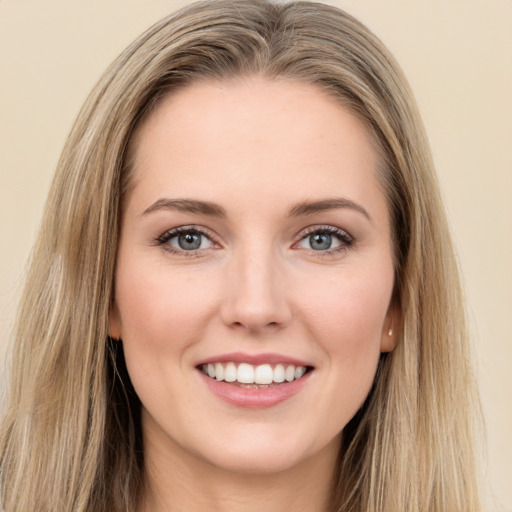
{"x": 189, "y": 241}
{"x": 320, "y": 241}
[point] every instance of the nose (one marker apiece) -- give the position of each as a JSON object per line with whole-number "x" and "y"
{"x": 255, "y": 296}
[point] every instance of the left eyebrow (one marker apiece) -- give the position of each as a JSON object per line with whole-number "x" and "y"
{"x": 322, "y": 205}
{"x": 187, "y": 206}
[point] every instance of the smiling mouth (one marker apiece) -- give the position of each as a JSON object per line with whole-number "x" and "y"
{"x": 254, "y": 376}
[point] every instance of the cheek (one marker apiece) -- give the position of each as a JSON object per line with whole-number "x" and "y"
{"x": 163, "y": 312}
{"x": 350, "y": 304}
{"x": 346, "y": 320}
{"x": 160, "y": 306}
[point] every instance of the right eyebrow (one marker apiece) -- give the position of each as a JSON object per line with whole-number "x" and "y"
{"x": 187, "y": 206}
{"x": 322, "y": 205}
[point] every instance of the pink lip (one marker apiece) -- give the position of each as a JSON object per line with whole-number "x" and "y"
{"x": 254, "y": 398}
{"x": 254, "y": 359}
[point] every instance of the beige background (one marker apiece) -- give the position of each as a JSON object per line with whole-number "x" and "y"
{"x": 458, "y": 57}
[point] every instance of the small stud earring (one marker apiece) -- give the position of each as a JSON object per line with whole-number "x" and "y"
{"x": 390, "y": 332}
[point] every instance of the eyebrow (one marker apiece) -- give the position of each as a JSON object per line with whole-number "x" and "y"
{"x": 335, "y": 203}
{"x": 187, "y": 206}
{"x": 215, "y": 210}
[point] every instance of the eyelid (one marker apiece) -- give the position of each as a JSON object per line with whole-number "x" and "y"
{"x": 343, "y": 233}
{"x": 173, "y": 232}
{"x": 345, "y": 238}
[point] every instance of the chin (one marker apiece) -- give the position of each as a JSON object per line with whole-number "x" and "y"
{"x": 264, "y": 455}
{"x": 261, "y": 463}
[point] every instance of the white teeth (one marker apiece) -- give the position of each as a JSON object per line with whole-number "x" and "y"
{"x": 245, "y": 374}
{"x": 279, "y": 373}
{"x": 299, "y": 371}
{"x": 289, "y": 373}
{"x": 219, "y": 371}
{"x": 230, "y": 372}
{"x": 261, "y": 375}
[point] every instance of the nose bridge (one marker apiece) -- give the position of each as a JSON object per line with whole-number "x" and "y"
{"x": 256, "y": 293}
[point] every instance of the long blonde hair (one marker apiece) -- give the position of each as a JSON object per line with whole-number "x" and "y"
{"x": 70, "y": 436}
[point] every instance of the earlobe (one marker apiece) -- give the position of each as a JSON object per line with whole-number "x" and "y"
{"x": 114, "y": 323}
{"x": 391, "y": 328}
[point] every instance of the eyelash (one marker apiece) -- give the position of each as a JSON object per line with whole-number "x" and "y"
{"x": 346, "y": 240}
{"x": 343, "y": 237}
{"x": 168, "y": 235}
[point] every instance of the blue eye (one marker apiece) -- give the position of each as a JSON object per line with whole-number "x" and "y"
{"x": 185, "y": 240}
{"x": 320, "y": 241}
{"x": 326, "y": 239}
{"x": 188, "y": 241}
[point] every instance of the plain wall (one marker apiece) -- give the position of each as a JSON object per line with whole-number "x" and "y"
{"x": 457, "y": 55}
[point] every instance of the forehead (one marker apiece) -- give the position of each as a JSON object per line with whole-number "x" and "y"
{"x": 257, "y": 134}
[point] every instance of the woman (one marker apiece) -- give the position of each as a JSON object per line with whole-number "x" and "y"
{"x": 243, "y": 293}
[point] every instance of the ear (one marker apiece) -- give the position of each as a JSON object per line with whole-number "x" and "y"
{"x": 114, "y": 323}
{"x": 391, "y": 327}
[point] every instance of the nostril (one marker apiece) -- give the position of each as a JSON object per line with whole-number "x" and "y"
{"x": 253, "y": 326}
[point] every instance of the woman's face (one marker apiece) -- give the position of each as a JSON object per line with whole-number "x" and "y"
{"x": 254, "y": 275}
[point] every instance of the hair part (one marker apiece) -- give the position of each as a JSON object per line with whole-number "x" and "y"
{"x": 71, "y": 438}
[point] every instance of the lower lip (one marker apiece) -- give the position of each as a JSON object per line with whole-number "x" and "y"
{"x": 254, "y": 398}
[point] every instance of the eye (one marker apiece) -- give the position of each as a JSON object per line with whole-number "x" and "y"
{"x": 321, "y": 241}
{"x": 190, "y": 241}
{"x": 326, "y": 239}
{"x": 185, "y": 239}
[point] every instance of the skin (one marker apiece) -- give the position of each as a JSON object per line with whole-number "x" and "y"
{"x": 256, "y": 148}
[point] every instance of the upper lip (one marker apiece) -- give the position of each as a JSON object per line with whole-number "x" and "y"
{"x": 254, "y": 359}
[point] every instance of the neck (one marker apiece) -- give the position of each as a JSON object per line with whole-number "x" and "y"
{"x": 180, "y": 481}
